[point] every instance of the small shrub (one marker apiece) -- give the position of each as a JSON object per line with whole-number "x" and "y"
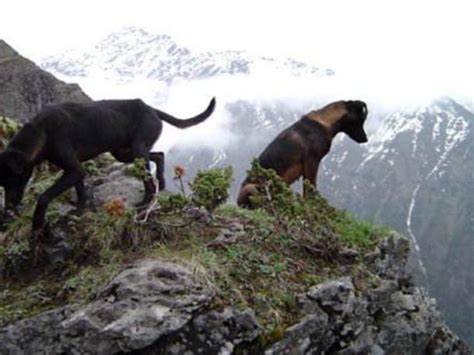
{"x": 95, "y": 166}
{"x": 138, "y": 169}
{"x": 211, "y": 188}
{"x": 172, "y": 202}
{"x": 8, "y": 128}
{"x": 277, "y": 197}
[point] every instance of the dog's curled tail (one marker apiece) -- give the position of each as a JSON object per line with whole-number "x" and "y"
{"x": 190, "y": 121}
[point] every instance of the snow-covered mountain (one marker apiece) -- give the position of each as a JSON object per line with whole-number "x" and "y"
{"x": 134, "y": 53}
{"x": 415, "y": 174}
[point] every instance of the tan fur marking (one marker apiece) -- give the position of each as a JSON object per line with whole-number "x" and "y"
{"x": 293, "y": 173}
{"x": 329, "y": 115}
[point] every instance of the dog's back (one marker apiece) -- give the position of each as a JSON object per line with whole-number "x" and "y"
{"x": 92, "y": 128}
{"x": 298, "y": 150}
{"x": 123, "y": 127}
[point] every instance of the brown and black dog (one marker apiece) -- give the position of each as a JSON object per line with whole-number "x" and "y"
{"x": 298, "y": 150}
{"x": 70, "y": 133}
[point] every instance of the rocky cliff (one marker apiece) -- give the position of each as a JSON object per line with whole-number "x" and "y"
{"x": 238, "y": 282}
{"x": 25, "y": 88}
{"x": 157, "y": 307}
{"x": 414, "y": 175}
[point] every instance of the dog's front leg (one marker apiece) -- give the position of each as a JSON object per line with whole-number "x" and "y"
{"x": 66, "y": 181}
{"x": 83, "y": 195}
{"x": 310, "y": 173}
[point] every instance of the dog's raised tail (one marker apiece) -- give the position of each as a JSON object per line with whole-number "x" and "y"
{"x": 180, "y": 123}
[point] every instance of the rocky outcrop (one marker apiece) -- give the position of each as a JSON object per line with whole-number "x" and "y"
{"x": 413, "y": 176}
{"x": 150, "y": 305}
{"x": 25, "y": 88}
{"x": 157, "y": 307}
{"x": 116, "y": 183}
{"x": 390, "y": 319}
{"x": 393, "y": 318}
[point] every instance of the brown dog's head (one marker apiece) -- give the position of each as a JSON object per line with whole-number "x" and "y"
{"x": 352, "y": 122}
{"x": 343, "y": 116}
{"x": 15, "y": 172}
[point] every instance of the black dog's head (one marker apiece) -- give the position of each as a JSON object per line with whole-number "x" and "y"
{"x": 352, "y": 123}
{"x": 15, "y": 172}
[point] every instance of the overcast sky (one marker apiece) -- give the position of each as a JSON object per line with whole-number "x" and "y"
{"x": 414, "y": 43}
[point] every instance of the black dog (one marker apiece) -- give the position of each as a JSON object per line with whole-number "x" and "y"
{"x": 70, "y": 133}
{"x": 298, "y": 150}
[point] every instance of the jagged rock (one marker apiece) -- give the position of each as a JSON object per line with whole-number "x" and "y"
{"x": 145, "y": 302}
{"x": 157, "y": 307}
{"x": 334, "y": 294}
{"x": 390, "y": 257}
{"x": 25, "y": 88}
{"x": 442, "y": 342}
{"x": 383, "y": 322}
{"x": 215, "y": 332}
{"x": 394, "y": 318}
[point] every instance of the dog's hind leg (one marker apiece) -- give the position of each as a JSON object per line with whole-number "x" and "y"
{"x": 159, "y": 159}
{"x": 310, "y": 173}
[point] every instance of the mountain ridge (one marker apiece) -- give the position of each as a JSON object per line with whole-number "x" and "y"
{"x": 160, "y": 57}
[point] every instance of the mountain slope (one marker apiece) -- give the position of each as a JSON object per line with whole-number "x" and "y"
{"x": 25, "y": 88}
{"x": 134, "y": 53}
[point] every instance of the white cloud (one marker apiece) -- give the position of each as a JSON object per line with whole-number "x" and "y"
{"x": 411, "y": 49}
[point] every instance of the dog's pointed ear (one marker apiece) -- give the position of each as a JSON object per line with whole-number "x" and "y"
{"x": 14, "y": 160}
{"x": 357, "y": 106}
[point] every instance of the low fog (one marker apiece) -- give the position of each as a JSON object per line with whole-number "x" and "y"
{"x": 183, "y": 98}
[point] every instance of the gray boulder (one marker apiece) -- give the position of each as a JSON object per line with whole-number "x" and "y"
{"x": 116, "y": 183}
{"x": 149, "y": 304}
{"x": 141, "y": 304}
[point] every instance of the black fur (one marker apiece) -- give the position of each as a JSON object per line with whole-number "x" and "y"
{"x": 70, "y": 133}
